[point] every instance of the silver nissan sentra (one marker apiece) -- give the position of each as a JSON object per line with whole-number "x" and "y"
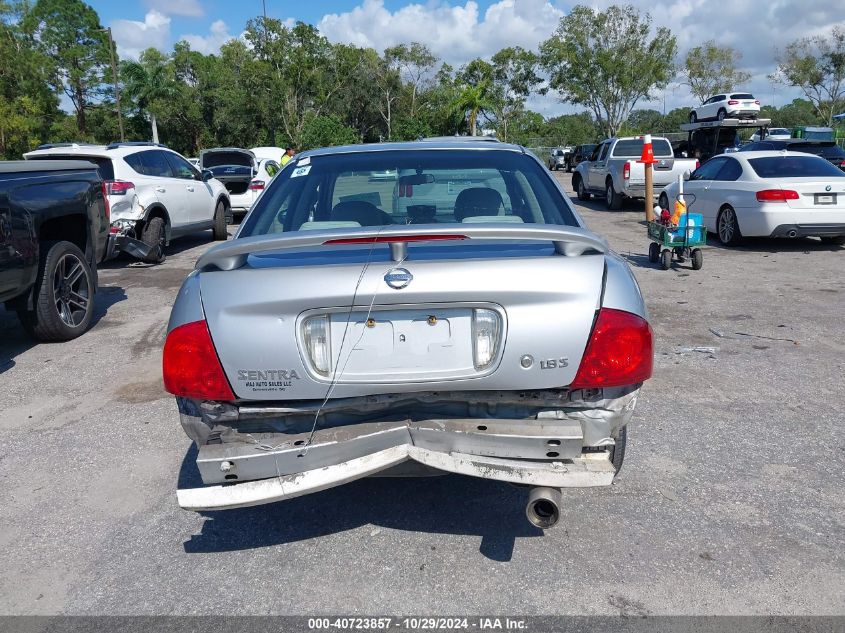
{"x": 404, "y": 308}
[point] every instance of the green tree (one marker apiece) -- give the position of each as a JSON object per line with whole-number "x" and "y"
{"x": 606, "y": 61}
{"x": 816, "y": 65}
{"x": 710, "y": 69}
{"x": 326, "y": 130}
{"x": 148, "y": 82}
{"x": 415, "y": 63}
{"x": 69, "y": 33}
{"x": 642, "y": 121}
{"x": 514, "y": 78}
{"x": 472, "y": 101}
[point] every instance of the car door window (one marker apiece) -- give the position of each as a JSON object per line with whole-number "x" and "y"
{"x": 155, "y": 164}
{"x": 730, "y": 171}
{"x": 709, "y": 170}
{"x": 595, "y": 155}
{"x": 181, "y": 168}
{"x": 603, "y": 152}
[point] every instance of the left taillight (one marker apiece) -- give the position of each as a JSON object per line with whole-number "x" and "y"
{"x": 119, "y": 187}
{"x": 106, "y": 202}
{"x": 256, "y": 185}
{"x": 620, "y": 352}
{"x": 626, "y": 171}
{"x": 776, "y": 195}
{"x": 190, "y": 365}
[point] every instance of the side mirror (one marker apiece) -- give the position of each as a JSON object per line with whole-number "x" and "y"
{"x": 687, "y": 174}
{"x": 207, "y": 175}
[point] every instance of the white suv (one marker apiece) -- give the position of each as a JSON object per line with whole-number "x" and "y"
{"x": 154, "y": 193}
{"x": 736, "y": 105}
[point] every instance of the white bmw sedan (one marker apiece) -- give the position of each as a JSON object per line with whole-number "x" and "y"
{"x": 767, "y": 194}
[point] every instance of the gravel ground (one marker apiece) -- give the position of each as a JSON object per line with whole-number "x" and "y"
{"x": 730, "y": 501}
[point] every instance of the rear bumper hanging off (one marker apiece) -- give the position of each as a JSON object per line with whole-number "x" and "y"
{"x": 562, "y": 449}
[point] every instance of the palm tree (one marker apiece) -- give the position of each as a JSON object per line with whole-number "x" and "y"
{"x": 471, "y": 101}
{"x": 146, "y": 82}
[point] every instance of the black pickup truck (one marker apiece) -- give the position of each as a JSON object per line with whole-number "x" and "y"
{"x": 54, "y": 230}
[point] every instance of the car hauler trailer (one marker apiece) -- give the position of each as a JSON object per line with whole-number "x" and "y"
{"x": 709, "y": 138}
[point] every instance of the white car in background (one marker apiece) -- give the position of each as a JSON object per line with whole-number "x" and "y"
{"x": 154, "y": 193}
{"x": 766, "y": 194}
{"x": 732, "y": 105}
{"x": 774, "y": 134}
{"x": 242, "y": 173}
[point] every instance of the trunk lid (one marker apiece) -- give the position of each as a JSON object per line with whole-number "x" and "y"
{"x": 815, "y": 195}
{"x": 232, "y": 166}
{"x": 417, "y": 337}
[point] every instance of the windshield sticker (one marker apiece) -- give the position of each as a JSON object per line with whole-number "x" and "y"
{"x": 301, "y": 171}
{"x": 304, "y": 161}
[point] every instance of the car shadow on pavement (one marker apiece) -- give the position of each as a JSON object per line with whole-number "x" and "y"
{"x": 448, "y": 504}
{"x": 14, "y": 341}
{"x": 775, "y": 245}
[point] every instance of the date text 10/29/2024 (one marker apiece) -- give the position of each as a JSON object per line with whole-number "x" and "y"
{"x": 421, "y": 623}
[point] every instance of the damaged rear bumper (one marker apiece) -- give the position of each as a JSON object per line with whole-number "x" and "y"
{"x": 558, "y": 449}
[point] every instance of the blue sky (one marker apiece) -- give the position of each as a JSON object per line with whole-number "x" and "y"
{"x": 460, "y": 30}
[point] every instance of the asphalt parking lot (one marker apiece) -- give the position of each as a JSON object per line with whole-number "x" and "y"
{"x": 730, "y": 500}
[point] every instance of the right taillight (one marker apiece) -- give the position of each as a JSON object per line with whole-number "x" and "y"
{"x": 190, "y": 365}
{"x": 776, "y": 195}
{"x": 620, "y": 352}
{"x": 256, "y": 185}
{"x": 486, "y": 334}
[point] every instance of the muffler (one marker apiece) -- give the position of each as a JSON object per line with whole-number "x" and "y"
{"x": 543, "y": 508}
{"x": 792, "y": 233}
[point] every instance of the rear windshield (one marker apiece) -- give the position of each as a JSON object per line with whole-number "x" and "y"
{"x": 634, "y": 147}
{"x": 426, "y": 187}
{"x": 104, "y": 165}
{"x": 794, "y": 167}
{"x": 217, "y": 159}
{"x": 742, "y": 95}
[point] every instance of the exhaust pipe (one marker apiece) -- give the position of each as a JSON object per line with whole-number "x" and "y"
{"x": 543, "y": 508}
{"x": 792, "y": 233}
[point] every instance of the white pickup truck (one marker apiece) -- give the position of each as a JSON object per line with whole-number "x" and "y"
{"x": 612, "y": 170}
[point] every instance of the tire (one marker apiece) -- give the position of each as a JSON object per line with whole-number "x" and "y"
{"x": 614, "y": 200}
{"x": 63, "y": 294}
{"x": 697, "y": 259}
{"x": 727, "y": 227}
{"x": 693, "y": 118}
{"x": 663, "y": 201}
{"x": 666, "y": 259}
{"x": 153, "y": 236}
{"x": 838, "y": 240}
{"x": 582, "y": 192}
{"x": 219, "y": 232}
{"x": 617, "y": 453}
{"x": 720, "y": 116}
{"x": 653, "y": 252}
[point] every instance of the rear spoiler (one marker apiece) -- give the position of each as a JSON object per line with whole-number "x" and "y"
{"x": 568, "y": 240}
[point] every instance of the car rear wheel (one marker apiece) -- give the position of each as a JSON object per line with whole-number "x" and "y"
{"x": 617, "y": 453}
{"x": 64, "y": 294}
{"x": 219, "y": 232}
{"x": 722, "y": 114}
{"x": 728, "y": 227}
{"x": 693, "y": 118}
{"x": 153, "y": 236}
{"x": 613, "y": 199}
{"x": 838, "y": 240}
{"x": 583, "y": 194}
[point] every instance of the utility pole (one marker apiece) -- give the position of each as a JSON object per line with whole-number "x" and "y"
{"x": 271, "y": 129}
{"x": 116, "y": 87}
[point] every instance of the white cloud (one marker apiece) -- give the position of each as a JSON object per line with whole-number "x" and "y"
{"x": 187, "y": 8}
{"x": 455, "y": 33}
{"x": 133, "y": 37}
{"x": 211, "y": 43}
